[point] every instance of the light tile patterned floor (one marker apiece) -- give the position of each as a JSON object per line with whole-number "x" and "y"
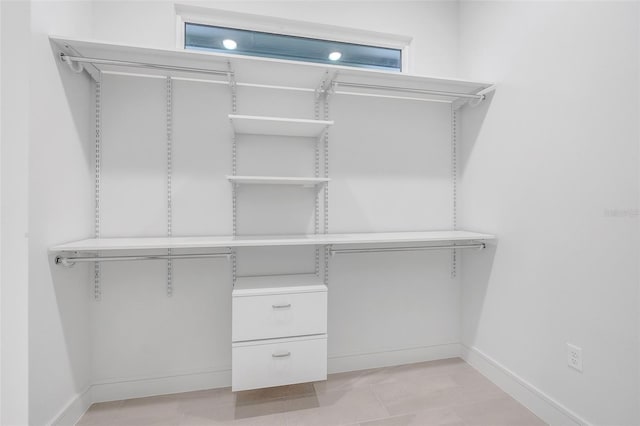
{"x": 447, "y": 392}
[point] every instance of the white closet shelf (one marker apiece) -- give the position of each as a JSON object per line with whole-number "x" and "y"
{"x": 259, "y": 125}
{"x": 277, "y": 180}
{"x": 262, "y": 73}
{"x": 278, "y": 284}
{"x": 222, "y": 242}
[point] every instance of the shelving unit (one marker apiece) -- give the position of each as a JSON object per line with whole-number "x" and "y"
{"x": 279, "y": 322}
{"x": 259, "y": 125}
{"x": 279, "y": 328}
{"x": 277, "y": 180}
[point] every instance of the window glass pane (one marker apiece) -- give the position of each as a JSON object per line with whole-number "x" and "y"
{"x": 253, "y": 43}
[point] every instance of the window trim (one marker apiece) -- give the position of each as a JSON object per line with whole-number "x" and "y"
{"x": 289, "y": 27}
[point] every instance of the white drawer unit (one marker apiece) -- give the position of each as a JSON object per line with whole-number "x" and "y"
{"x": 279, "y": 331}
{"x": 269, "y": 316}
{"x": 279, "y": 362}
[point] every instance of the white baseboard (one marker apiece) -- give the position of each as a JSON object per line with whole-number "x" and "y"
{"x": 354, "y": 362}
{"x": 142, "y": 387}
{"x": 74, "y": 409}
{"x": 541, "y": 404}
{"x": 150, "y": 386}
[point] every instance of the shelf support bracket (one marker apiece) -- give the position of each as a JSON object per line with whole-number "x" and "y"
{"x": 97, "y": 286}
{"x": 234, "y": 168}
{"x": 454, "y": 184}
{"x": 169, "y": 124}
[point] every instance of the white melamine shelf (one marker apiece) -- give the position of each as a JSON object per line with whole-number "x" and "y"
{"x": 277, "y": 180}
{"x": 263, "y": 73}
{"x": 259, "y": 125}
{"x": 278, "y": 284}
{"x": 158, "y": 243}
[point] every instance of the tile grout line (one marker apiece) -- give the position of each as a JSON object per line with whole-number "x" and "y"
{"x": 375, "y": 395}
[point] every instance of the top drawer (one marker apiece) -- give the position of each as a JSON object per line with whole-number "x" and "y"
{"x": 279, "y": 311}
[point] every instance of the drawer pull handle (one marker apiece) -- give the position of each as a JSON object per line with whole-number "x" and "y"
{"x": 281, "y": 355}
{"x": 288, "y": 305}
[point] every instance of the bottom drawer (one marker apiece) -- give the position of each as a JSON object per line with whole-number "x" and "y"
{"x": 278, "y": 362}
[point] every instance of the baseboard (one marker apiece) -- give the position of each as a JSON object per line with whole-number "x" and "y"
{"x": 541, "y": 404}
{"x": 137, "y": 388}
{"x": 354, "y": 362}
{"x": 70, "y": 415}
{"x": 115, "y": 390}
{"x": 142, "y": 387}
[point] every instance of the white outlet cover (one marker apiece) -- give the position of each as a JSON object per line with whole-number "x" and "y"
{"x": 574, "y": 357}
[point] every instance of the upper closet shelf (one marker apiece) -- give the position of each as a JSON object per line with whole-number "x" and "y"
{"x": 258, "y": 125}
{"x": 241, "y": 72}
{"x": 160, "y": 243}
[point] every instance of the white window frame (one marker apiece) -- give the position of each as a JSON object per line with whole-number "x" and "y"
{"x": 271, "y": 24}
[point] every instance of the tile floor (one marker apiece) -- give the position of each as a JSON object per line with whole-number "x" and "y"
{"x": 446, "y": 392}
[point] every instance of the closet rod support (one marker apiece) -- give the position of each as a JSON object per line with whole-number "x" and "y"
{"x": 478, "y": 246}
{"x": 71, "y": 260}
{"x": 71, "y": 60}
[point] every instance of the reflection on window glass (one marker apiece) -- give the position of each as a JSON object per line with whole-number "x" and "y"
{"x": 253, "y": 43}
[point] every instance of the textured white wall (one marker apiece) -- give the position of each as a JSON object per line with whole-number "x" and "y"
{"x": 550, "y": 165}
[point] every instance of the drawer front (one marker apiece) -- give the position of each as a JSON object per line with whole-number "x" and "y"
{"x": 283, "y": 362}
{"x": 279, "y": 315}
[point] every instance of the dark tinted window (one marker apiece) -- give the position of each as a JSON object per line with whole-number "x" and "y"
{"x": 253, "y": 43}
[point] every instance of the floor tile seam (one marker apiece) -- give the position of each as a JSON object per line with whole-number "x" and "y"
{"x": 375, "y": 395}
{"x": 388, "y": 417}
{"x": 492, "y": 399}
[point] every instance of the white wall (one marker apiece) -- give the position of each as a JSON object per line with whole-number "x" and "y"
{"x": 14, "y": 206}
{"x": 550, "y": 165}
{"x": 60, "y": 209}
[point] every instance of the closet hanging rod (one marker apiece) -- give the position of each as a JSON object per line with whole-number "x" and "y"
{"x": 71, "y": 260}
{"x": 478, "y": 246}
{"x": 97, "y": 61}
{"x": 406, "y": 98}
{"x": 409, "y": 90}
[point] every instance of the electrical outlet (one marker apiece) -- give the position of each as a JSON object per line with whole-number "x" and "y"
{"x": 574, "y": 357}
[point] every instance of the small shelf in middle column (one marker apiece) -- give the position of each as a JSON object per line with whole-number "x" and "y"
{"x": 260, "y": 125}
{"x": 278, "y": 180}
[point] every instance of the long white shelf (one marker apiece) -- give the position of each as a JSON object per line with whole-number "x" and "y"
{"x": 277, "y": 180}
{"x": 97, "y": 57}
{"x": 260, "y": 125}
{"x": 158, "y": 243}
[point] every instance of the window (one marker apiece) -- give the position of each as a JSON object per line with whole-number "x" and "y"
{"x": 264, "y": 44}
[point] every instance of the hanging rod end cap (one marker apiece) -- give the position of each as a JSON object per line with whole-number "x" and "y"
{"x": 60, "y": 260}
{"x": 73, "y": 65}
